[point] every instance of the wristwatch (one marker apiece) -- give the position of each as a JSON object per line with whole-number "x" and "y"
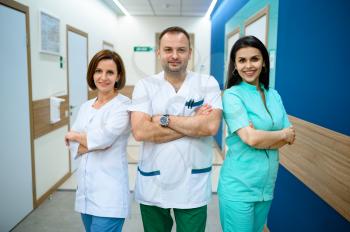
{"x": 164, "y": 120}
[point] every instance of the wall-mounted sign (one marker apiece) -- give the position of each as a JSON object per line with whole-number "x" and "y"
{"x": 49, "y": 33}
{"x": 143, "y": 49}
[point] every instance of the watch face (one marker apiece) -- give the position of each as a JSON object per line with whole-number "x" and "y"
{"x": 164, "y": 120}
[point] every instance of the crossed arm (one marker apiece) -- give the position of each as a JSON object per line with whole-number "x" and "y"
{"x": 266, "y": 139}
{"x": 79, "y": 138}
{"x": 204, "y": 123}
{"x": 145, "y": 129}
{"x": 198, "y": 125}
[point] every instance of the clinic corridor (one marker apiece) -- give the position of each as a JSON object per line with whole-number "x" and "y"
{"x": 57, "y": 214}
{"x": 46, "y": 48}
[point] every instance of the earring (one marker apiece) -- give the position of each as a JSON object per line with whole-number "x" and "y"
{"x": 233, "y": 72}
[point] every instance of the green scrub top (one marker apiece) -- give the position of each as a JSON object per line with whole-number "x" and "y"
{"x": 249, "y": 174}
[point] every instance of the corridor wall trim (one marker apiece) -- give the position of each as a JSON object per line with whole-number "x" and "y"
{"x": 41, "y": 116}
{"x": 320, "y": 158}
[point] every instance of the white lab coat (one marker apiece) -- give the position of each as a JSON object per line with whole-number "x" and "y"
{"x": 175, "y": 174}
{"x": 103, "y": 188}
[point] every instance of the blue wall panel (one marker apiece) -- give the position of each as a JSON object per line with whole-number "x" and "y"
{"x": 312, "y": 72}
{"x": 220, "y": 16}
{"x": 296, "y": 208}
{"x": 224, "y": 10}
{"x": 313, "y": 78}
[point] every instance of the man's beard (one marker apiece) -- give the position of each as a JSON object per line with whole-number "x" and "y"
{"x": 182, "y": 68}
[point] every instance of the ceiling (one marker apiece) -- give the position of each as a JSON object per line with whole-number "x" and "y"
{"x": 162, "y": 7}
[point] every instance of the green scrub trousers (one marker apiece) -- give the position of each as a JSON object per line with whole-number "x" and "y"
{"x": 156, "y": 219}
{"x": 237, "y": 216}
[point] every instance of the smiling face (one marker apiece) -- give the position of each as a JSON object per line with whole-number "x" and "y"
{"x": 105, "y": 76}
{"x": 174, "y": 53}
{"x": 249, "y": 63}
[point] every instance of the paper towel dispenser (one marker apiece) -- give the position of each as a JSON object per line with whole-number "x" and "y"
{"x": 55, "y": 113}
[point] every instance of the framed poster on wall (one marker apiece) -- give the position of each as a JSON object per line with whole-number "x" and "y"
{"x": 231, "y": 39}
{"x": 49, "y": 33}
{"x": 258, "y": 25}
{"x": 107, "y": 45}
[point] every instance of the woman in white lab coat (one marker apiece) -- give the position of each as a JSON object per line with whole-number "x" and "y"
{"x": 99, "y": 138}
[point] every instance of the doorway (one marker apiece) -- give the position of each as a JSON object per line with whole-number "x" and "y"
{"x": 16, "y": 160}
{"x": 77, "y": 61}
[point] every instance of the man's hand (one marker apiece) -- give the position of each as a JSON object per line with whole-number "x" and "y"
{"x": 156, "y": 118}
{"x": 204, "y": 110}
{"x": 147, "y": 128}
{"x": 205, "y": 122}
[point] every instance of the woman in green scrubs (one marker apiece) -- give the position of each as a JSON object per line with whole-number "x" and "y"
{"x": 257, "y": 126}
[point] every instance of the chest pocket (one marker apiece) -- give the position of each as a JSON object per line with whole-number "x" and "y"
{"x": 191, "y": 104}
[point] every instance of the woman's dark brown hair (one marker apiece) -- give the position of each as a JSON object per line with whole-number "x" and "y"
{"x": 233, "y": 78}
{"x": 106, "y": 55}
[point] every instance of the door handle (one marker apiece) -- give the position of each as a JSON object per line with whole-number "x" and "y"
{"x": 70, "y": 110}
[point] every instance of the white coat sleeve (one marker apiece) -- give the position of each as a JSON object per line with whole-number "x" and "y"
{"x": 73, "y": 148}
{"x": 77, "y": 126}
{"x": 114, "y": 123}
{"x": 141, "y": 101}
{"x": 213, "y": 93}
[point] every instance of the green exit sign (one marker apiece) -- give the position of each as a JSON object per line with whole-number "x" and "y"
{"x": 142, "y": 49}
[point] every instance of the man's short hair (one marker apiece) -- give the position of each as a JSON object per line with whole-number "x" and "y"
{"x": 175, "y": 30}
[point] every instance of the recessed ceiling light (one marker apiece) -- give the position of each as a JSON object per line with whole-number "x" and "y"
{"x": 210, "y": 9}
{"x": 121, "y": 7}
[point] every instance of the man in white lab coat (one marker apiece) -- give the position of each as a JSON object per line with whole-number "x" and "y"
{"x": 175, "y": 113}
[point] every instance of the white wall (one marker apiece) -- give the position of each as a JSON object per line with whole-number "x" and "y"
{"x": 90, "y": 16}
{"x": 101, "y": 23}
{"x": 140, "y": 31}
{"x": 51, "y": 164}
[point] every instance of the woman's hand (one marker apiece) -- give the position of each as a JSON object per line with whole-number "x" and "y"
{"x": 71, "y": 136}
{"x": 289, "y": 135}
{"x": 82, "y": 150}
